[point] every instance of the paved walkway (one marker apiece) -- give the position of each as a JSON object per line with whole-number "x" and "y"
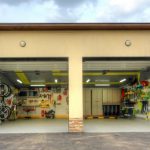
{"x": 75, "y": 141}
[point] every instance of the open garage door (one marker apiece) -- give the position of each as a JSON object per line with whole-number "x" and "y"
{"x": 116, "y": 94}
{"x": 33, "y": 95}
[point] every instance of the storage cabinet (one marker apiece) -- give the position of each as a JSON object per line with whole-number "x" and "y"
{"x": 97, "y": 101}
{"x": 95, "y": 98}
{"x": 87, "y": 101}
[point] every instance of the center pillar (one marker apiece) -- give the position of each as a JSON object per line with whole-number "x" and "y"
{"x": 75, "y": 94}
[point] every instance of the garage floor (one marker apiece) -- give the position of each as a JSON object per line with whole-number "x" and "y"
{"x": 61, "y": 125}
{"x": 34, "y": 126}
{"x": 70, "y": 141}
{"x": 116, "y": 125}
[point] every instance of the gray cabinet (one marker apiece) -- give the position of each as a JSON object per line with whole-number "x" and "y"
{"x": 87, "y": 101}
{"x": 97, "y": 101}
{"x": 94, "y": 98}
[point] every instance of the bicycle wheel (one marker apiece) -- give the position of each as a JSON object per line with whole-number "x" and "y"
{"x": 4, "y": 113}
{"x": 5, "y": 90}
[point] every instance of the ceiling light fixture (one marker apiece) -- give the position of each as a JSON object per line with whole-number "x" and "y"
{"x": 88, "y": 80}
{"x": 123, "y": 80}
{"x": 37, "y": 85}
{"x": 56, "y": 80}
{"x": 19, "y": 81}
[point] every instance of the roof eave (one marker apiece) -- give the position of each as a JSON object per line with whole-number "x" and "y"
{"x": 73, "y": 26}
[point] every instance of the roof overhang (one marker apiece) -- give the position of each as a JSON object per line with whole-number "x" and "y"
{"x": 73, "y": 26}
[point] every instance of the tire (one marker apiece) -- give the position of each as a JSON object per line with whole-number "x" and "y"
{"x": 5, "y": 90}
{"x": 5, "y": 112}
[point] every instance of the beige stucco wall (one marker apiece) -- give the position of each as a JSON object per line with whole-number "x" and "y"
{"x": 68, "y": 43}
{"x": 75, "y": 45}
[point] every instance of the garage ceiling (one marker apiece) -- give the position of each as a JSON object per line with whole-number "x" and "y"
{"x": 48, "y": 71}
{"x": 34, "y": 66}
{"x": 116, "y": 65}
{"x": 63, "y": 65}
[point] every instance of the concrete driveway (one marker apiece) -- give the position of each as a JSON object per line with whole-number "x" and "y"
{"x": 75, "y": 141}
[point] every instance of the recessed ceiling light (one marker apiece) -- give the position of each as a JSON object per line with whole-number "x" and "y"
{"x": 88, "y": 80}
{"x": 123, "y": 80}
{"x": 19, "y": 81}
{"x": 56, "y": 80}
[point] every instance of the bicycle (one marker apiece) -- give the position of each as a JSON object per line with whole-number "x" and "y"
{"x": 5, "y": 110}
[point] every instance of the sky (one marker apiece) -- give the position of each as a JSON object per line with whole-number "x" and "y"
{"x": 74, "y": 11}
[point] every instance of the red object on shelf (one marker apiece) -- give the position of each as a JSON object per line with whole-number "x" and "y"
{"x": 144, "y": 83}
{"x": 122, "y": 93}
